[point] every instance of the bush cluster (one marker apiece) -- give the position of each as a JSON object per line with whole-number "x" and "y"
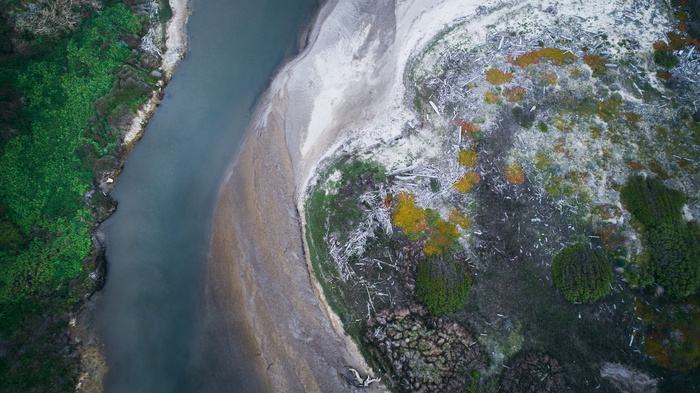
{"x": 581, "y": 274}
{"x": 673, "y": 248}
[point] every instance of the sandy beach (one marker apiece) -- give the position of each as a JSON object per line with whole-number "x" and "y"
{"x": 349, "y": 81}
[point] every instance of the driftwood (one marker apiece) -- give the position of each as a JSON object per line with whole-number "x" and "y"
{"x": 362, "y": 382}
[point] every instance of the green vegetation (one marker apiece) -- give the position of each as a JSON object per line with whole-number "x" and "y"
{"x": 583, "y": 275}
{"x": 335, "y": 208}
{"x": 673, "y": 247}
{"x": 596, "y": 63}
{"x": 665, "y": 59}
{"x": 523, "y": 116}
{"x": 71, "y": 79}
{"x": 442, "y": 284}
{"x": 42, "y": 179}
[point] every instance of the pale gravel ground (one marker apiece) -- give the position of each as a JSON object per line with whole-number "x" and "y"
{"x": 347, "y": 88}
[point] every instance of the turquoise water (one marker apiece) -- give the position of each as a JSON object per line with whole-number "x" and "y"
{"x": 157, "y": 240}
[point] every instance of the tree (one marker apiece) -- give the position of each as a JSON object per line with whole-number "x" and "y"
{"x": 442, "y": 284}
{"x": 581, "y": 274}
{"x": 673, "y": 248}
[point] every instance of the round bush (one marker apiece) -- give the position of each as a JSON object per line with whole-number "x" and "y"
{"x": 442, "y": 285}
{"x": 581, "y": 274}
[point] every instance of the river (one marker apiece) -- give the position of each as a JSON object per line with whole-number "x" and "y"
{"x": 157, "y": 240}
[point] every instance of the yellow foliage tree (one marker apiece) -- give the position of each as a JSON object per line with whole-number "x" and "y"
{"x": 410, "y": 218}
{"x": 497, "y": 77}
{"x": 555, "y": 55}
{"x": 460, "y": 219}
{"x": 442, "y": 235}
{"x": 467, "y": 158}
{"x": 467, "y": 182}
{"x": 514, "y": 174}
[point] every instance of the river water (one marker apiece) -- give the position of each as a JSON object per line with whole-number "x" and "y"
{"x": 157, "y": 240}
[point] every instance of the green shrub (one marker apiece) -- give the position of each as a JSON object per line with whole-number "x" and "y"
{"x": 665, "y": 59}
{"x": 523, "y": 116}
{"x": 583, "y": 275}
{"x": 10, "y": 236}
{"x": 672, "y": 245}
{"x": 442, "y": 285}
{"x": 650, "y": 202}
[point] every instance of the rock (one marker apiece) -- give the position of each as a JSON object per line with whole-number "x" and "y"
{"x": 533, "y": 372}
{"x": 627, "y": 379}
{"x": 428, "y": 357}
{"x": 156, "y": 74}
{"x": 149, "y": 61}
{"x": 132, "y": 40}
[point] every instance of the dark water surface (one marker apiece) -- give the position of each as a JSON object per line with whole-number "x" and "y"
{"x": 158, "y": 238}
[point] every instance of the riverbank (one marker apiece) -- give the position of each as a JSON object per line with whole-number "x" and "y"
{"x": 349, "y": 80}
{"x": 93, "y": 360}
{"x": 175, "y": 49}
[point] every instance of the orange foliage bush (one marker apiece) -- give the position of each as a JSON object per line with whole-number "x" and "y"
{"x": 468, "y": 129}
{"x": 410, "y": 218}
{"x": 490, "y": 97}
{"x": 632, "y": 117}
{"x": 660, "y": 45}
{"x": 596, "y": 63}
{"x": 674, "y": 341}
{"x": 683, "y": 27}
{"x": 557, "y": 57}
{"x": 635, "y": 166}
{"x": 550, "y": 78}
{"x": 611, "y": 236}
{"x": 467, "y": 182}
{"x": 676, "y": 41}
{"x": 467, "y": 158}
{"x": 460, "y": 219}
{"x": 514, "y": 174}
{"x": 665, "y": 75}
{"x": 514, "y": 94}
{"x": 497, "y": 77}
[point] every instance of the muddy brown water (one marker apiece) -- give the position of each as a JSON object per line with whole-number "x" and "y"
{"x": 160, "y": 323}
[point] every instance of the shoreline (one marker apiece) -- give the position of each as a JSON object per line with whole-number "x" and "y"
{"x": 176, "y": 46}
{"x": 93, "y": 359}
